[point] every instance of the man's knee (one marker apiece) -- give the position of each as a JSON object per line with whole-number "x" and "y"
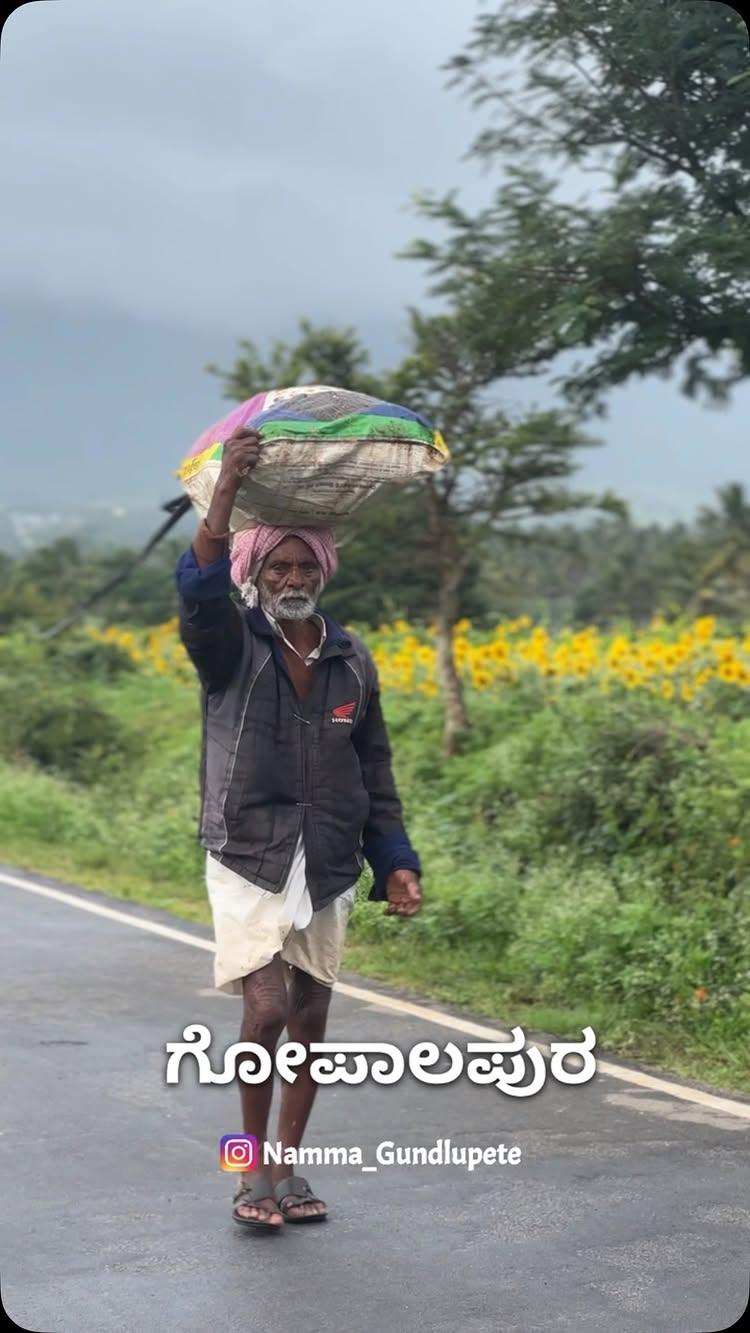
{"x": 265, "y": 1007}
{"x": 309, "y": 1000}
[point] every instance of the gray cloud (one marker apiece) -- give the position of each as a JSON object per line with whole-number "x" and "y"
{"x": 207, "y": 163}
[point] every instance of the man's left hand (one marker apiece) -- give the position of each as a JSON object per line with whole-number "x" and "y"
{"x": 404, "y": 893}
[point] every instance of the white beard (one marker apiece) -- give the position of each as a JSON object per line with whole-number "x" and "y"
{"x": 286, "y": 606}
{"x": 290, "y": 606}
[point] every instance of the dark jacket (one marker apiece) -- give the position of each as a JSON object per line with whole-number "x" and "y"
{"x": 271, "y": 765}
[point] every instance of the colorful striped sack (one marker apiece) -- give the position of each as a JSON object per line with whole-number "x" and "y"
{"x": 325, "y": 450}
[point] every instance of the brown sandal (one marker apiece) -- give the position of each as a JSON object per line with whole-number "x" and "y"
{"x": 291, "y": 1192}
{"x": 253, "y": 1190}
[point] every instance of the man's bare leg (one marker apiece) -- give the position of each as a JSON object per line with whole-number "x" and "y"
{"x": 307, "y": 1015}
{"x": 264, "y": 1013}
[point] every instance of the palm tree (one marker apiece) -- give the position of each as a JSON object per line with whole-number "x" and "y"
{"x": 724, "y": 575}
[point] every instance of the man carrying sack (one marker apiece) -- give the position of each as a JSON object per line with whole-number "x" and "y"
{"x": 296, "y": 793}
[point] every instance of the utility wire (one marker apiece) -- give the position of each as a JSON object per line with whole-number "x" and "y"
{"x": 176, "y": 509}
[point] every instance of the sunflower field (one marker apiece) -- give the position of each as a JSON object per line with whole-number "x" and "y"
{"x": 680, "y": 664}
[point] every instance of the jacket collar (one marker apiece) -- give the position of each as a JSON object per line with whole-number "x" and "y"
{"x": 259, "y": 624}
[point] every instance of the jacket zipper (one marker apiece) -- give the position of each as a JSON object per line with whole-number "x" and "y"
{"x": 251, "y": 687}
{"x": 204, "y": 748}
{"x": 301, "y": 804}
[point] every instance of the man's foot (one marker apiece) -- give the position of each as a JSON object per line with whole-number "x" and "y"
{"x": 255, "y": 1205}
{"x": 297, "y": 1201}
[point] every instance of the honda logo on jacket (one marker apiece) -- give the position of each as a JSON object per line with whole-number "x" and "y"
{"x": 344, "y": 712}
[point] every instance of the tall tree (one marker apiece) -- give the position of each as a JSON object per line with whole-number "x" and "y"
{"x": 652, "y": 96}
{"x": 503, "y": 469}
{"x": 723, "y": 577}
{"x": 321, "y": 355}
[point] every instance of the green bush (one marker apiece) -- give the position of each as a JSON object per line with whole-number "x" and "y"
{"x": 612, "y": 781}
{"x": 89, "y": 658}
{"x": 62, "y": 731}
{"x": 36, "y": 808}
{"x": 578, "y": 937}
{"x": 73, "y": 736}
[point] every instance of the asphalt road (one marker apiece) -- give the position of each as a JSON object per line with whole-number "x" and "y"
{"x": 628, "y": 1210}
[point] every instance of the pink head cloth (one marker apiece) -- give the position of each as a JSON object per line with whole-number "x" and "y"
{"x": 251, "y": 546}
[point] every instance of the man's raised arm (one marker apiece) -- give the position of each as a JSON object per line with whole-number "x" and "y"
{"x": 210, "y": 622}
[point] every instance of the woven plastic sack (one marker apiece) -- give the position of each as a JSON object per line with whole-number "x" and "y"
{"x": 325, "y": 450}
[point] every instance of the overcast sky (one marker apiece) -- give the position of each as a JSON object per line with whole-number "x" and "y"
{"x": 180, "y": 174}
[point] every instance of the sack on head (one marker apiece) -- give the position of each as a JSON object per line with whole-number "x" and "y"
{"x": 325, "y": 450}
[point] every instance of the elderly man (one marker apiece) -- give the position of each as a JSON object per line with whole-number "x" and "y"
{"x": 296, "y": 793}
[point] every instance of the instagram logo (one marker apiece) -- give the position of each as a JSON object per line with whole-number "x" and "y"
{"x": 238, "y": 1152}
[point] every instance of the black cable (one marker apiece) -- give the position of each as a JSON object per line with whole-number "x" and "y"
{"x": 176, "y": 509}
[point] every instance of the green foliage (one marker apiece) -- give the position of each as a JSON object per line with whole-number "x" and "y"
{"x": 578, "y": 937}
{"x": 49, "y": 716}
{"x": 655, "y": 274}
{"x": 322, "y": 355}
{"x": 632, "y": 779}
{"x": 726, "y": 564}
{"x": 77, "y": 654}
{"x": 63, "y": 733}
{"x": 40, "y": 588}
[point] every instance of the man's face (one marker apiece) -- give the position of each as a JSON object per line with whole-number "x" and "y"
{"x": 290, "y": 581}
